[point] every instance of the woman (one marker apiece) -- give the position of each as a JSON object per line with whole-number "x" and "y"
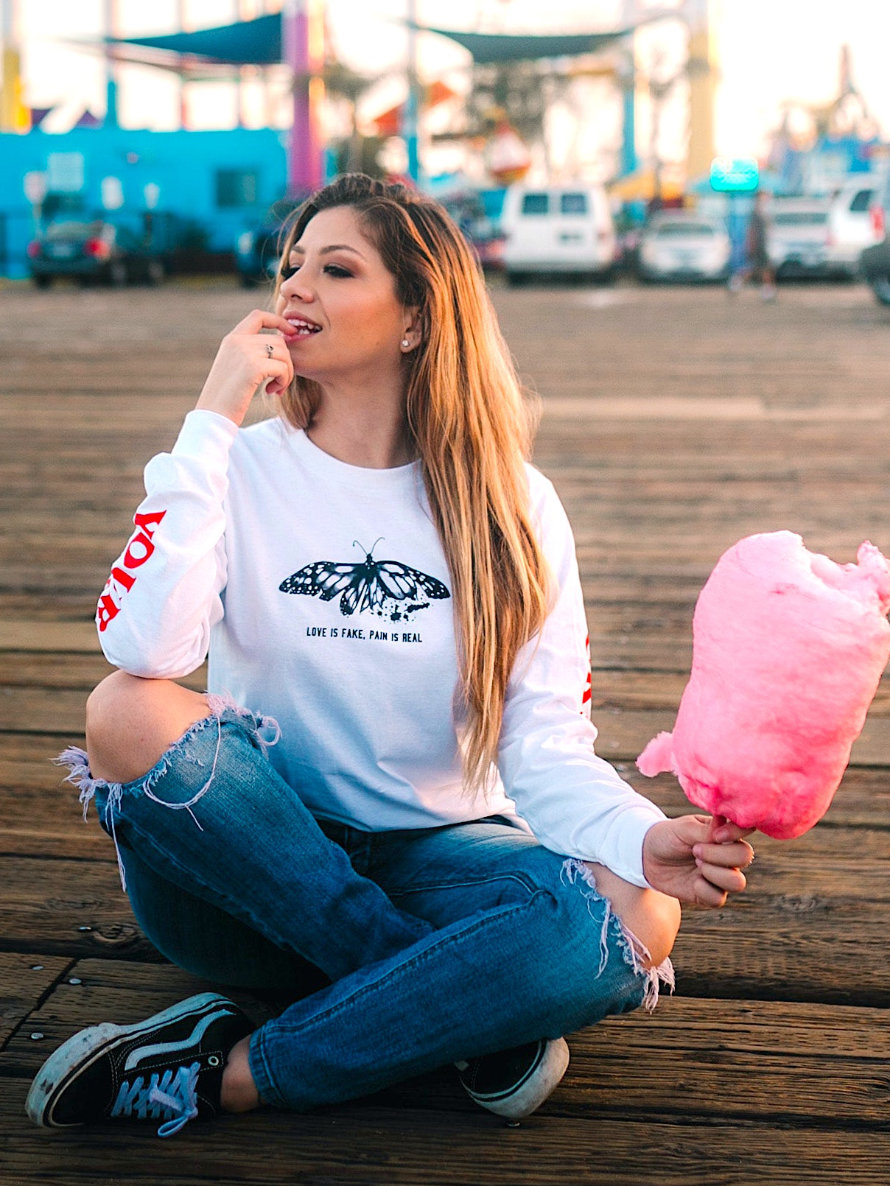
{"x": 430, "y": 861}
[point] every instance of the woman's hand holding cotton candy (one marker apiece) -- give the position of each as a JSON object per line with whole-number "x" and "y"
{"x": 697, "y": 860}
{"x": 788, "y": 651}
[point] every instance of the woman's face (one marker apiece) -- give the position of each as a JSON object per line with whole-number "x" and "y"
{"x": 340, "y": 297}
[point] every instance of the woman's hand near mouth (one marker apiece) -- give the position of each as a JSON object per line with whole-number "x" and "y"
{"x": 249, "y": 356}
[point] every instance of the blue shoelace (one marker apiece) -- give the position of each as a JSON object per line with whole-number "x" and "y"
{"x": 172, "y": 1095}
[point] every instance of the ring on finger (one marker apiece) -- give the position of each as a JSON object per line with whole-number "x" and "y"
{"x": 270, "y": 350}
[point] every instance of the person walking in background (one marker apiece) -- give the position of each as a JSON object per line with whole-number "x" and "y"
{"x": 758, "y": 264}
{"x": 387, "y": 809}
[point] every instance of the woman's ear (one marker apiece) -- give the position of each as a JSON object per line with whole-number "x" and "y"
{"x": 414, "y": 332}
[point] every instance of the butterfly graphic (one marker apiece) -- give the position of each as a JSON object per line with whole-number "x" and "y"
{"x": 387, "y": 588}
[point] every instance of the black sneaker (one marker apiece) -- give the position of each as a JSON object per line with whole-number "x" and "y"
{"x": 513, "y": 1083}
{"x": 166, "y": 1068}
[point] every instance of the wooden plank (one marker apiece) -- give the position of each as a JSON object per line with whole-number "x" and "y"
{"x": 28, "y": 762}
{"x": 39, "y": 710}
{"x": 47, "y": 636}
{"x": 57, "y": 840}
{"x": 30, "y": 709}
{"x": 29, "y": 669}
{"x": 61, "y": 907}
{"x": 624, "y": 690}
{"x": 624, "y": 733}
{"x": 19, "y": 601}
{"x": 48, "y": 671}
{"x": 391, "y": 1147}
{"x": 24, "y": 984}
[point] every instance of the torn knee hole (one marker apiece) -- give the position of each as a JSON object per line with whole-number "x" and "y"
{"x": 634, "y": 952}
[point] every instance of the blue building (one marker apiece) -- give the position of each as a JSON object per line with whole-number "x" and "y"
{"x": 218, "y": 183}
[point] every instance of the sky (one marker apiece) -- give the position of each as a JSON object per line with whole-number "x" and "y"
{"x": 768, "y": 52}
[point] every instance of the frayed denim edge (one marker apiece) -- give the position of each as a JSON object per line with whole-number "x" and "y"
{"x": 80, "y": 775}
{"x": 635, "y": 953}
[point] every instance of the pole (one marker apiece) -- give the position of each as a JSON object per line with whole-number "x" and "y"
{"x": 629, "y": 14}
{"x": 629, "y": 113}
{"x": 243, "y": 12}
{"x": 10, "y": 66}
{"x": 111, "y": 30}
{"x": 701, "y": 90}
{"x": 270, "y": 106}
{"x": 303, "y": 42}
{"x": 410, "y": 113}
{"x": 182, "y": 23}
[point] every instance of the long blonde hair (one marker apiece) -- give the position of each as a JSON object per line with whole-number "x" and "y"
{"x": 472, "y": 428}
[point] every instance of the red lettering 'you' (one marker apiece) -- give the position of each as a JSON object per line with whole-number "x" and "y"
{"x": 121, "y": 579}
{"x": 149, "y": 521}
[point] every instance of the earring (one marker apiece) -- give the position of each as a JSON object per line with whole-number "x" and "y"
{"x": 405, "y": 343}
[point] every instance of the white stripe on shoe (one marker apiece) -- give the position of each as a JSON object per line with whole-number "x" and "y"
{"x": 135, "y": 1057}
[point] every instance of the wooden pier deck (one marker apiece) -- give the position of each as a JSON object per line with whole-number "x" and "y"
{"x": 676, "y": 421}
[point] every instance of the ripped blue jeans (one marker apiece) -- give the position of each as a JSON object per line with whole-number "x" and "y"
{"x": 399, "y": 951}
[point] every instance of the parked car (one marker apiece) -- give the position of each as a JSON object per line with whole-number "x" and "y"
{"x": 850, "y": 226}
{"x": 874, "y": 261}
{"x": 797, "y": 237}
{"x": 95, "y": 250}
{"x": 682, "y": 245}
{"x": 258, "y": 248}
{"x": 564, "y": 230}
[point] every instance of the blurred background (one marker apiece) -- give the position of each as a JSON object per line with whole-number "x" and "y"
{"x": 599, "y": 139}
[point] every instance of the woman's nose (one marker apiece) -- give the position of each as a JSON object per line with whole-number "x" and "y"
{"x": 299, "y": 285}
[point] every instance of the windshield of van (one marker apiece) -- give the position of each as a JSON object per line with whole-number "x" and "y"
{"x": 535, "y": 204}
{"x": 573, "y": 203}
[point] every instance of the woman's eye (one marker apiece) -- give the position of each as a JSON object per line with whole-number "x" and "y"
{"x": 287, "y": 270}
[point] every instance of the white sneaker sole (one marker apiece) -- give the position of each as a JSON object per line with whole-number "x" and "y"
{"x": 539, "y": 1084}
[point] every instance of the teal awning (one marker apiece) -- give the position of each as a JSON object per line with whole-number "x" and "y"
{"x": 246, "y": 43}
{"x": 491, "y": 48}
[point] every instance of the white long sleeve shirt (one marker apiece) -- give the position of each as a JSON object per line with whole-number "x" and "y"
{"x": 322, "y": 593}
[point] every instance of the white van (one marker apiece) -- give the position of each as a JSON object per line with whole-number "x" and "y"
{"x": 565, "y": 229}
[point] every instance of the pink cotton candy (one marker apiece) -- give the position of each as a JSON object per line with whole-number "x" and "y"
{"x": 788, "y": 651}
